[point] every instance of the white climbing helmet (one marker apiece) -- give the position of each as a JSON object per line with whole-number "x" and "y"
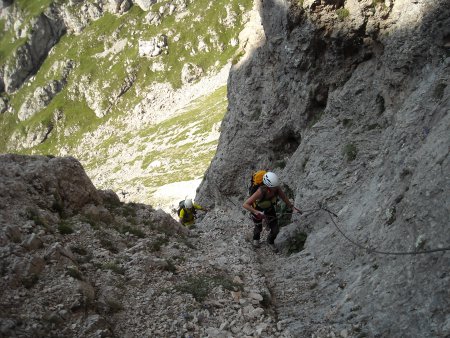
{"x": 188, "y": 203}
{"x": 271, "y": 180}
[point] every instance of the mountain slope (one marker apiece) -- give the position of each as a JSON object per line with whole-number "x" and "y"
{"x": 110, "y": 73}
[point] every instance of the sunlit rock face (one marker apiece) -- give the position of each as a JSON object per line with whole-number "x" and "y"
{"x": 348, "y": 102}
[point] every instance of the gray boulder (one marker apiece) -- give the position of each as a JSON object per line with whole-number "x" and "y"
{"x": 153, "y": 47}
{"x": 190, "y": 73}
{"x": 145, "y": 4}
{"x": 118, "y": 6}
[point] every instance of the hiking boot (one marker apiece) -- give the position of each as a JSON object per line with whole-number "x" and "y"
{"x": 255, "y": 243}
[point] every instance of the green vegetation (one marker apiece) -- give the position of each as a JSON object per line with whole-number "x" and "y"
{"x": 350, "y": 151}
{"x": 74, "y": 273}
{"x": 237, "y": 56}
{"x": 200, "y": 286}
{"x": 297, "y": 243}
{"x": 107, "y": 244}
{"x": 78, "y": 250}
{"x": 8, "y": 45}
{"x": 29, "y": 281}
{"x": 38, "y": 220}
{"x": 123, "y": 229}
{"x": 129, "y": 210}
{"x": 438, "y": 91}
{"x": 92, "y": 223}
{"x": 205, "y": 113}
{"x": 266, "y": 301}
{"x": 170, "y": 267}
{"x": 158, "y": 243}
{"x": 113, "y": 306}
{"x": 347, "y": 123}
{"x": 65, "y": 228}
{"x": 33, "y": 8}
{"x": 114, "y": 267}
{"x": 58, "y": 206}
{"x": 280, "y": 164}
{"x": 374, "y": 126}
{"x": 342, "y": 13}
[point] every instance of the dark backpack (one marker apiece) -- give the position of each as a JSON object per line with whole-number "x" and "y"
{"x": 181, "y": 206}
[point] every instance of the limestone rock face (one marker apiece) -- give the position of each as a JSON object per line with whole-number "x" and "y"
{"x": 43, "y": 95}
{"x": 45, "y": 30}
{"x": 348, "y": 102}
{"x": 77, "y": 20}
{"x": 145, "y": 4}
{"x": 60, "y": 180}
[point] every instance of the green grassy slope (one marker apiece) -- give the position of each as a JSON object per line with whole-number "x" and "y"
{"x": 99, "y": 76}
{"x": 105, "y": 76}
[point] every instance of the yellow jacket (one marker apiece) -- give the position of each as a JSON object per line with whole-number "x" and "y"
{"x": 187, "y": 215}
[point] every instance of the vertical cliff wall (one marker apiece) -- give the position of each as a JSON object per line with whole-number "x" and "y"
{"x": 348, "y": 101}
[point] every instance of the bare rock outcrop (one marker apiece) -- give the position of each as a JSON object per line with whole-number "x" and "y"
{"x": 348, "y": 101}
{"x": 44, "y": 31}
{"x": 154, "y": 46}
{"x": 46, "y": 182}
{"x": 78, "y": 14}
{"x": 53, "y": 221}
{"x": 77, "y": 262}
{"x": 42, "y": 96}
{"x": 118, "y": 6}
{"x": 190, "y": 73}
{"x": 145, "y": 5}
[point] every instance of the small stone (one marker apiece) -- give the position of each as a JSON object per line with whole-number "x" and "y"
{"x": 260, "y": 328}
{"x": 256, "y": 313}
{"x": 236, "y": 295}
{"x": 256, "y": 296}
{"x": 33, "y": 242}
{"x": 247, "y": 329}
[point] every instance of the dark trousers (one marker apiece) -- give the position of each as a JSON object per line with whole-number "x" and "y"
{"x": 272, "y": 222}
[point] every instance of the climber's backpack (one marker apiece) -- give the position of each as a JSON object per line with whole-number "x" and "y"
{"x": 256, "y": 181}
{"x": 181, "y": 206}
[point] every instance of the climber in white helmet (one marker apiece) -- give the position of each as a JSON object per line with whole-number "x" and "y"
{"x": 187, "y": 212}
{"x": 262, "y": 205}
